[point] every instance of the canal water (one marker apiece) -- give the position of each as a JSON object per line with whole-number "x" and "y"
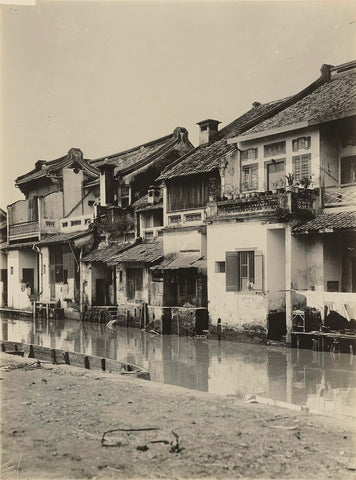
{"x": 321, "y": 381}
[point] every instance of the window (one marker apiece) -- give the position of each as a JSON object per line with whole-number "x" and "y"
{"x": 301, "y": 167}
{"x": 56, "y": 263}
{"x": 249, "y": 154}
{"x": 174, "y": 219}
{"x": 302, "y": 143}
{"x": 250, "y": 177}
{"x": 187, "y": 193}
{"x": 134, "y": 282}
{"x": 332, "y": 286}
{"x": 348, "y": 170}
{"x": 219, "y": 267}
{"x": 75, "y": 222}
{"x": 157, "y": 276}
{"x": 278, "y": 148}
{"x": 193, "y": 217}
{"x": 64, "y": 224}
{"x": 244, "y": 271}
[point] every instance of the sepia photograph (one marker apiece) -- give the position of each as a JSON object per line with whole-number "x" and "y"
{"x": 178, "y": 239}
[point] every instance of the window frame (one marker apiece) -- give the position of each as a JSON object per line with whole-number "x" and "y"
{"x": 238, "y": 281}
{"x": 251, "y": 186}
{"x": 295, "y": 158}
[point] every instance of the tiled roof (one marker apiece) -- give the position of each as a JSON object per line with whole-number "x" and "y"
{"x": 44, "y": 168}
{"x": 62, "y": 237}
{"x": 181, "y": 261}
{"x": 104, "y": 254}
{"x": 329, "y": 222}
{"x": 143, "y": 203}
{"x": 136, "y": 157}
{"x": 334, "y": 99}
{"x": 146, "y": 253}
{"x": 206, "y": 158}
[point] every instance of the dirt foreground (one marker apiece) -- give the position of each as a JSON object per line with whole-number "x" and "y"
{"x": 54, "y": 417}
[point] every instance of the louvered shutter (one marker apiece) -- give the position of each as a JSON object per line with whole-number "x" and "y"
{"x": 68, "y": 264}
{"x": 258, "y": 284}
{"x": 232, "y": 271}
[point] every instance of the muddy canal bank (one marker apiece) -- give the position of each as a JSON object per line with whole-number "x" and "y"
{"x": 53, "y": 419}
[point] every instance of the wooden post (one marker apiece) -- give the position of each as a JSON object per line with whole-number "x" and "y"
{"x": 3, "y": 347}
{"x": 219, "y": 329}
{"x": 31, "y": 352}
{"x": 86, "y": 362}
{"x": 127, "y": 318}
{"x": 103, "y": 365}
{"x": 66, "y": 358}
{"x": 53, "y": 355}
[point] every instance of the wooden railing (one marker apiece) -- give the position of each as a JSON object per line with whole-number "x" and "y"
{"x": 340, "y": 196}
{"x": 24, "y": 229}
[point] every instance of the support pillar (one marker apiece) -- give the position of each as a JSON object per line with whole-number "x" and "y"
{"x": 288, "y": 280}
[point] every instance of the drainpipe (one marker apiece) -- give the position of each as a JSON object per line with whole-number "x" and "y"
{"x": 40, "y": 268}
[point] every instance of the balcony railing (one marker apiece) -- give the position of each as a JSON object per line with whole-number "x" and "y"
{"x": 187, "y": 217}
{"x": 340, "y": 196}
{"x": 152, "y": 232}
{"x": 264, "y": 203}
{"x": 72, "y": 224}
{"x": 23, "y": 230}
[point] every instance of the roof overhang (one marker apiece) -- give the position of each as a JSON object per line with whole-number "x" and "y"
{"x": 268, "y": 133}
{"x": 181, "y": 261}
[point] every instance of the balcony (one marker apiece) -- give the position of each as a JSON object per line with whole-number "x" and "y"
{"x": 299, "y": 202}
{"x": 73, "y": 224}
{"x": 24, "y": 230}
{"x": 186, "y": 218}
{"x": 340, "y": 196}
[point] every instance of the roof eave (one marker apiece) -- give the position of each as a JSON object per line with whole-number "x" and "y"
{"x": 268, "y": 133}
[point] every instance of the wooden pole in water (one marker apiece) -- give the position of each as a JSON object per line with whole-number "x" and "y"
{"x": 219, "y": 329}
{"x": 66, "y": 358}
{"x": 86, "y": 363}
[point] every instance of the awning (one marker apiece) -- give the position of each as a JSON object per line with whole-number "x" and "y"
{"x": 181, "y": 261}
{"x": 329, "y": 223}
{"x": 104, "y": 254}
{"x": 143, "y": 253}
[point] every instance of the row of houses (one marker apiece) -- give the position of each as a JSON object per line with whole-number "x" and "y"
{"x": 254, "y": 223}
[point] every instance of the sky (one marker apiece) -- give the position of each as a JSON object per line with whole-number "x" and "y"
{"x": 107, "y": 76}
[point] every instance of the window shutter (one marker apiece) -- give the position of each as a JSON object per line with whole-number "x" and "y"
{"x": 232, "y": 271}
{"x": 68, "y": 264}
{"x": 258, "y": 270}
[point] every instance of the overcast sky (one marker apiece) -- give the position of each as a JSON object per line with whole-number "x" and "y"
{"x": 107, "y": 76}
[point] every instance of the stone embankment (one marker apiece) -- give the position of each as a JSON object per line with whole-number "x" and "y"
{"x": 60, "y": 421}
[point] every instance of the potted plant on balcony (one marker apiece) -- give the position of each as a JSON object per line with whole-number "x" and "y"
{"x": 290, "y": 182}
{"x": 306, "y": 181}
{"x": 228, "y": 192}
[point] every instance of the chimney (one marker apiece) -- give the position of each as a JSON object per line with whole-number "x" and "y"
{"x": 208, "y": 130}
{"x": 256, "y": 104}
{"x": 107, "y": 184}
{"x": 153, "y": 194}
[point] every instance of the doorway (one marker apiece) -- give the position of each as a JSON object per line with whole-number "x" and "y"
{"x": 100, "y": 291}
{"x": 28, "y": 277}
